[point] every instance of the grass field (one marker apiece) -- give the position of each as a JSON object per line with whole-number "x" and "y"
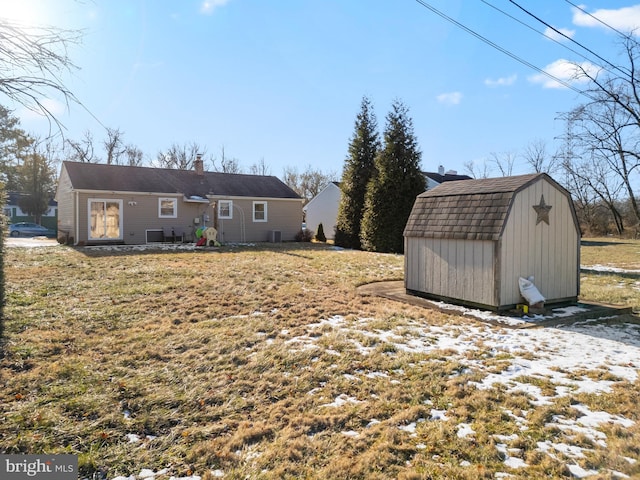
{"x": 264, "y": 362}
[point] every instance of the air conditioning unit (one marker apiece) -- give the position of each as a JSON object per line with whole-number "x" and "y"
{"x": 275, "y": 236}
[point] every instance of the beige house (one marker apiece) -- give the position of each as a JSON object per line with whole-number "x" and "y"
{"x": 99, "y": 204}
{"x": 470, "y": 241}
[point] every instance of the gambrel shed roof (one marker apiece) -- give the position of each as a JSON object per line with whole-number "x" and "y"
{"x": 467, "y": 209}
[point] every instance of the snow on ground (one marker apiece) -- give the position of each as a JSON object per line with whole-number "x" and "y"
{"x": 559, "y": 355}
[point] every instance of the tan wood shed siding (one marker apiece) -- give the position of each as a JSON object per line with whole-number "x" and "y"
{"x": 451, "y": 268}
{"x": 548, "y": 252}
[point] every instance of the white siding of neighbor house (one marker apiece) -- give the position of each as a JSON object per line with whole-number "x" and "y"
{"x": 549, "y": 253}
{"x": 323, "y": 208}
{"x": 66, "y": 211}
{"x": 462, "y": 269}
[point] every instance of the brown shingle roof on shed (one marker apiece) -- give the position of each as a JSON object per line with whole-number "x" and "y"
{"x": 121, "y": 178}
{"x": 466, "y": 209}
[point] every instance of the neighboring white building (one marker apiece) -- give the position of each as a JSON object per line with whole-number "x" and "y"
{"x": 434, "y": 179}
{"x": 323, "y": 208}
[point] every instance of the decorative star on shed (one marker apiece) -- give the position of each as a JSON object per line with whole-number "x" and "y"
{"x": 543, "y": 211}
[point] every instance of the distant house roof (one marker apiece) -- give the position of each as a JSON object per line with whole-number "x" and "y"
{"x": 447, "y": 177}
{"x": 467, "y": 209}
{"x": 120, "y": 178}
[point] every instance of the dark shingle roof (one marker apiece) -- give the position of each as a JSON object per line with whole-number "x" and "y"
{"x": 447, "y": 177}
{"x": 466, "y": 209}
{"x": 119, "y": 178}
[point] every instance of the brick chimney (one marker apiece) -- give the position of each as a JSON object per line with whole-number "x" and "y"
{"x": 199, "y": 164}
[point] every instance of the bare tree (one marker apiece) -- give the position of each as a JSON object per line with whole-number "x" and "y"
{"x": 180, "y": 157}
{"x": 134, "y": 156}
{"x": 81, "y": 150}
{"x": 608, "y": 125}
{"x": 32, "y": 60}
{"x": 260, "y": 168}
{"x": 537, "y": 157}
{"x": 308, "y": 183}
{"x": 226, "y": 164}
{"x": 113, "y": 145}
{"x": 505, "y": 162}
{"x": 477, "y": 171}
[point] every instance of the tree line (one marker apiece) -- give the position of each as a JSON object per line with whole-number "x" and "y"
{"x": 598, "y": 160}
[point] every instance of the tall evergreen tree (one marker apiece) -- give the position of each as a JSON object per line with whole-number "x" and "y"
{"x": 14, "y": 143}
{"x": 358, "y": 171}
{"x": 36, "y": 178}
{"x": 395, "y": 186}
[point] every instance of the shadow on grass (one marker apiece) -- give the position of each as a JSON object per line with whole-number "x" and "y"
{"x": 624, "y": 329}
{"x": 601, "y": 243}
{"x": 632, "y": 274}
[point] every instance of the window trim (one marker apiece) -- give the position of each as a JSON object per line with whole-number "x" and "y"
{"x": 225, "y": 217}
{"x": 120, "y": 218}
{"x": 260, "y": 220}
{"x": 175, "y": 207}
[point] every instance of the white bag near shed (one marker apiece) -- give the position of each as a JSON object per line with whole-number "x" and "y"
{"x": 529, "y": 291}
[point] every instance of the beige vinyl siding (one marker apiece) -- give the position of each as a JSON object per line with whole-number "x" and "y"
{"x": 139, "y": 214}
{"x": 143, "y": 215}
{"x": 451, "y": 268}
{"x": 284, "y": 215}
{"x": 548, "y": 252}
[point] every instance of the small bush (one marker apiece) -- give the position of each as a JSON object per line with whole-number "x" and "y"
{"x": 303, "y": 236}
{"x": 320, "y": 236}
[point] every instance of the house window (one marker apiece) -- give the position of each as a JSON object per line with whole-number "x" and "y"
{"x": 225, "y": 209}
{"x": 259, "y": 211}
{"x": 105, "y": 220}
{"x": 167, "y": 208}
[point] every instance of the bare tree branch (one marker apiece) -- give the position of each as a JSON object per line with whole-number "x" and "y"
{"x": 32, "y": 60}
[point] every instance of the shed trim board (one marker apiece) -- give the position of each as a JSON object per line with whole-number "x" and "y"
{"x": 471, "y": 240}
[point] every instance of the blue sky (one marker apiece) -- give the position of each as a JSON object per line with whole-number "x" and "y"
{"x": 282, "y": 80}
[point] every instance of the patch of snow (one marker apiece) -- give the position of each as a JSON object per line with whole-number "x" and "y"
{"x": 593, "y": 419}
{"x": 341, "y": 400}
{"x": 579, "y": 472}
{"x": 465, "y": 430}
{"x": 439, "y": 414}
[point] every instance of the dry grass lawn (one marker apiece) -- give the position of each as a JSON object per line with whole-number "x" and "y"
{"x": 204, "y": 363}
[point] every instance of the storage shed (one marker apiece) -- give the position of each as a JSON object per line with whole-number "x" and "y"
{"x": 468, "y": 242}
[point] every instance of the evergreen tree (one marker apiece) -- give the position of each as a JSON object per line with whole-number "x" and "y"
{"x": 37, "y": 184}
{"x": 320, "y": 236}
{"x": 395, "y": 186}
{"x": 358, "y": 171}
{"x": 14, "y": 142}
